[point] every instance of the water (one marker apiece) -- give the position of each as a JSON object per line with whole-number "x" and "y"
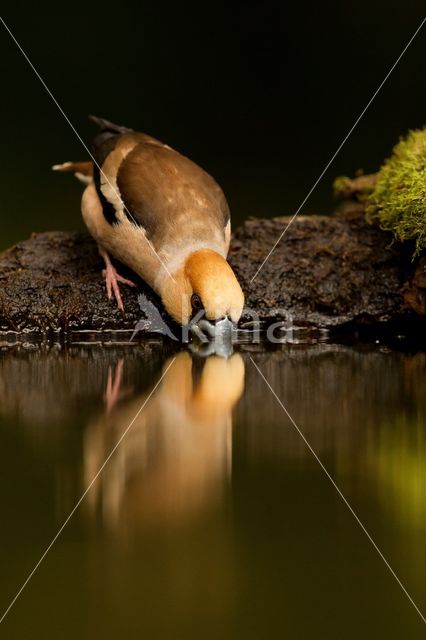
{"x": 213, "y": 519}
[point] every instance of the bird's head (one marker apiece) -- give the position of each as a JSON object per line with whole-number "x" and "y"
{"x": 205, "y": 285}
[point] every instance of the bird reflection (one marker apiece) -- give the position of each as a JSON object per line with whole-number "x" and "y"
{"x": 175, "y": 459}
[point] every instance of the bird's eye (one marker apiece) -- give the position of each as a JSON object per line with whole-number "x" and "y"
{"x": 196, "y": 303}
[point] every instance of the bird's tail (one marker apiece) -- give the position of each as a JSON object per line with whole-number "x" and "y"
{"x": 106, "y": 125}
{"x": 83, "y": 171}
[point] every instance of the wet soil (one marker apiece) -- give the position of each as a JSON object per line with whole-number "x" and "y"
{"x": 338, "y": 273}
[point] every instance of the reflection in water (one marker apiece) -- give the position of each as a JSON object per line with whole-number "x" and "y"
{"x": 364, "y": 414}
{"x": 212, "y": 519}
{"x": 176, "y": 456}
{"x": 363, "y": 411}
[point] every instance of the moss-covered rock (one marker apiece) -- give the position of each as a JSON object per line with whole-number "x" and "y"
{"x": 398, "y": 199}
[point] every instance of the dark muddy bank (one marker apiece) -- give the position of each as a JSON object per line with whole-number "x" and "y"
{"x": 327, "y": 272}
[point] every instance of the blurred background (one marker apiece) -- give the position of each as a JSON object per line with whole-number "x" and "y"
{"x": 260, "y": 96}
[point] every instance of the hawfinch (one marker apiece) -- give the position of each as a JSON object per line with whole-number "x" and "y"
{"x": 160, "y": 214}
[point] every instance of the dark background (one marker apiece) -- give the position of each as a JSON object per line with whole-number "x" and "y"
{"x": 259, "y": 96}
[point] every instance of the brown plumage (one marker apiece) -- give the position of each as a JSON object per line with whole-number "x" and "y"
{"x": 174, "y": 460}
{"x": 164, "y": 217}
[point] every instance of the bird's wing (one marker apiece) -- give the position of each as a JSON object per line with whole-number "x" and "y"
{"x": 154, "y": 186}
{"x": 163, "y": 189}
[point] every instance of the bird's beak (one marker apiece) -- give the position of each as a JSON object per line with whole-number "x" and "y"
{"x": 218, "y": 333}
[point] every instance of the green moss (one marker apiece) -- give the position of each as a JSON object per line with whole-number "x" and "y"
{"x": 398, "y": 200}
{"x": 341, "y": 185}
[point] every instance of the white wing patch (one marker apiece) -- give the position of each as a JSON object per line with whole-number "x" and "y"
{"x": 108, "y": 175}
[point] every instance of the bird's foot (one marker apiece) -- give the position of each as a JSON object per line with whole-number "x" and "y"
{"x": 113, "y": 392}
{"x": 112, "y": 278}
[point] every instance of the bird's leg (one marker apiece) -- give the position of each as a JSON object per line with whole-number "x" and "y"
{"x": 113, "y": 392}
{"x": 112, "y": 278}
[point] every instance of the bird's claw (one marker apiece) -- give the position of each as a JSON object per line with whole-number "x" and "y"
{"x": 112, "y": 278}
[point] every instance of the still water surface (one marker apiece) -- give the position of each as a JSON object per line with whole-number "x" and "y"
{"x": 212, "y": 519}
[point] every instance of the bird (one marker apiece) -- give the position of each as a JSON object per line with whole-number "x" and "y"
{"x": 160, "y": 214}
{"x": 174, "y": 462}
